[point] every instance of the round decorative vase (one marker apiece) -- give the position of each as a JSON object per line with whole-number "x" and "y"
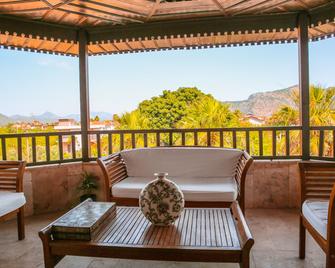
{"x": 161, "y": 201}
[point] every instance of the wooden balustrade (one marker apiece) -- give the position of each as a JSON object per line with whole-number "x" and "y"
{"x": 41, "y": 148}
{"x": 260, "y": 142}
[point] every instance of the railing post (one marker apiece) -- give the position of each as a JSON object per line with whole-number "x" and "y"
{"x": 84, "y": 93}
{"x": 304, "y": 83}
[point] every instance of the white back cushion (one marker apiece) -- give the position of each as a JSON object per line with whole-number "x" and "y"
{"x": 190, "y": 162}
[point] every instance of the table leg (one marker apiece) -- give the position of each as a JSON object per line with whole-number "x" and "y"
{"x": 245, "y": 260}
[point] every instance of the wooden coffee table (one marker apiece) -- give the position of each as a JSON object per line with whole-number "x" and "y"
{"x": 199, "y": 235}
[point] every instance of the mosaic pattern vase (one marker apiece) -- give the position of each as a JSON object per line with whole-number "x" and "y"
{"x": 161, "y": 201}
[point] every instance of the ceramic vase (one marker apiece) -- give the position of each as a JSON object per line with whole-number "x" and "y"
{"x": 161, "y": 201}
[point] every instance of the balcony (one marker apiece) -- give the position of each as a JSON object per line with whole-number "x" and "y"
{"x": 56, "y": 164}
{"x": 56, "y": 160}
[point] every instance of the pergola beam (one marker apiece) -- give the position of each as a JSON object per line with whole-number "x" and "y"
{"x": 84, "y": 93}
{"x": 35, "y": 28}
{"x": 304, "y": 83}
{"x": 194, "y": 26}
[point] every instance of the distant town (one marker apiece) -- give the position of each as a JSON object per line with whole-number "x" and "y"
{"x": 63, "y": 124}
{"x": 66, "y": 124}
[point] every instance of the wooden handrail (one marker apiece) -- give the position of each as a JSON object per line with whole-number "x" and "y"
{"x": 260, "y": 142}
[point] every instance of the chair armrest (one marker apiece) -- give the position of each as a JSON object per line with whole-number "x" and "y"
{"x": 241, "y": 170}
{"x": 114, "y": 170}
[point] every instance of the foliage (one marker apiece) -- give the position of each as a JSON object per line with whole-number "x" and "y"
{"x": 163, "y": 111}
{"x": 285, "y": 116}
{"x": 207, "y": 112}
{"x": 322, "y": 104}
{"x": 190, "y": 108}
{"x": 88, "y": 183}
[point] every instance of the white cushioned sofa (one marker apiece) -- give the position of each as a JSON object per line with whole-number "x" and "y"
{"x": 208, "y": 177}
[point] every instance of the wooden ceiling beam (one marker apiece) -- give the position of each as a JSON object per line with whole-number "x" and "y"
{"x": 36, "y": 28}
{"x": 17, "y": 2}
{"x": 153, "y": 10}
{"x": 19, "y": 11}
{"x": 303, "y": 4}
{"x": 113, "y": 7}
{"x": 53, "y": 7}
{"x": 220, "y": 6}
{"x": 81, "y": 7}
{"x": 90, "y": 16}
{"x": 275, "y": 5}
{"x": 47, "y": 3}
{"x": 259, "y": 4}
{"x": 199, "y": 26}
{"x": 322, "y": 14}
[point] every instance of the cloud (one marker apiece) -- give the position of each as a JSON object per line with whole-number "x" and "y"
{"x": 55, "y": 63}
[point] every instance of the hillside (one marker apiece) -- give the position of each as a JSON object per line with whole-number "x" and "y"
{"x": 48, "y": 117}
{"x": 264, "y": 103}
{"x": 4, "y": 119}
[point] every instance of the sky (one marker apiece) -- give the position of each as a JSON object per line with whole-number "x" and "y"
{"x": 33, "y": 83}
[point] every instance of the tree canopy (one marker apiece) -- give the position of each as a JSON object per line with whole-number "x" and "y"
{"x": 182, "y": 108}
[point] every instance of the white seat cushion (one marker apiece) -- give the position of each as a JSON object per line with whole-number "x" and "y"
{"x": 208, "y": 189}
{"x": 316, "y": 213}
{"x": 181, "y": 162}
{"x": 10, "y": 201}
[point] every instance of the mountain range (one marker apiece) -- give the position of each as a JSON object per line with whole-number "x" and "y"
{"x": 48, "y": 117}
{"x": 264, "y": 103}
{"x": 259, "y": 104}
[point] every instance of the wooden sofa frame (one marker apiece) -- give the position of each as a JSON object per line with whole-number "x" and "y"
{"x": 114, "y": 170}
{"x": 11, "y": 179}
{"x": 318, "y": 182}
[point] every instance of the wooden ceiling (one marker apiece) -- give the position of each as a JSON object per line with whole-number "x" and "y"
{"x": 116, "y": 26}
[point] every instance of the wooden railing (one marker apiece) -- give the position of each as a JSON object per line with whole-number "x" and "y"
{"x": 41, "y": 148}
{"x": 260, "y": 142}
{"x": 323, "y": 143}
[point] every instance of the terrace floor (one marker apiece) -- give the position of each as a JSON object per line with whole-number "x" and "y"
{"x": 276, "y": 245}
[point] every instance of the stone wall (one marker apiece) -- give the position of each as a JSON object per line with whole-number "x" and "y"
{"x": 270, "y": 184}
{"x": 273, "y": 184}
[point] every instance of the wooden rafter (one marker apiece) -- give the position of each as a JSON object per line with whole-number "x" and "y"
{"x": 23, "y": 11}
{"x": 302, "y": 3}
{"x": 47, "y": 3}
{"x": 256, "y": 5}
{"x": 53, "y": 7}
{"x": 153, "y": 9}
{"x": 274, "y": 5}
{"x": 220, "y": 6}
{"x": 90, "y": 16}
{"x": 104, "y": 13}
{"x": 113, "y": 7}
{"x": 102, "y": 48}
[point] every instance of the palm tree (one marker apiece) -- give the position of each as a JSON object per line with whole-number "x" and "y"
{"x": 133, "y": 120}
{"x": 209, "y": 113}
{"x": 322, "y": 105}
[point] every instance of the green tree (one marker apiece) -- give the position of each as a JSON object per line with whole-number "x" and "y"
{"x": 207, "y": 112}
{"x": 167, "y": 109}
{"x": 133, "y": 120}
{"x": 285, "y": 116}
